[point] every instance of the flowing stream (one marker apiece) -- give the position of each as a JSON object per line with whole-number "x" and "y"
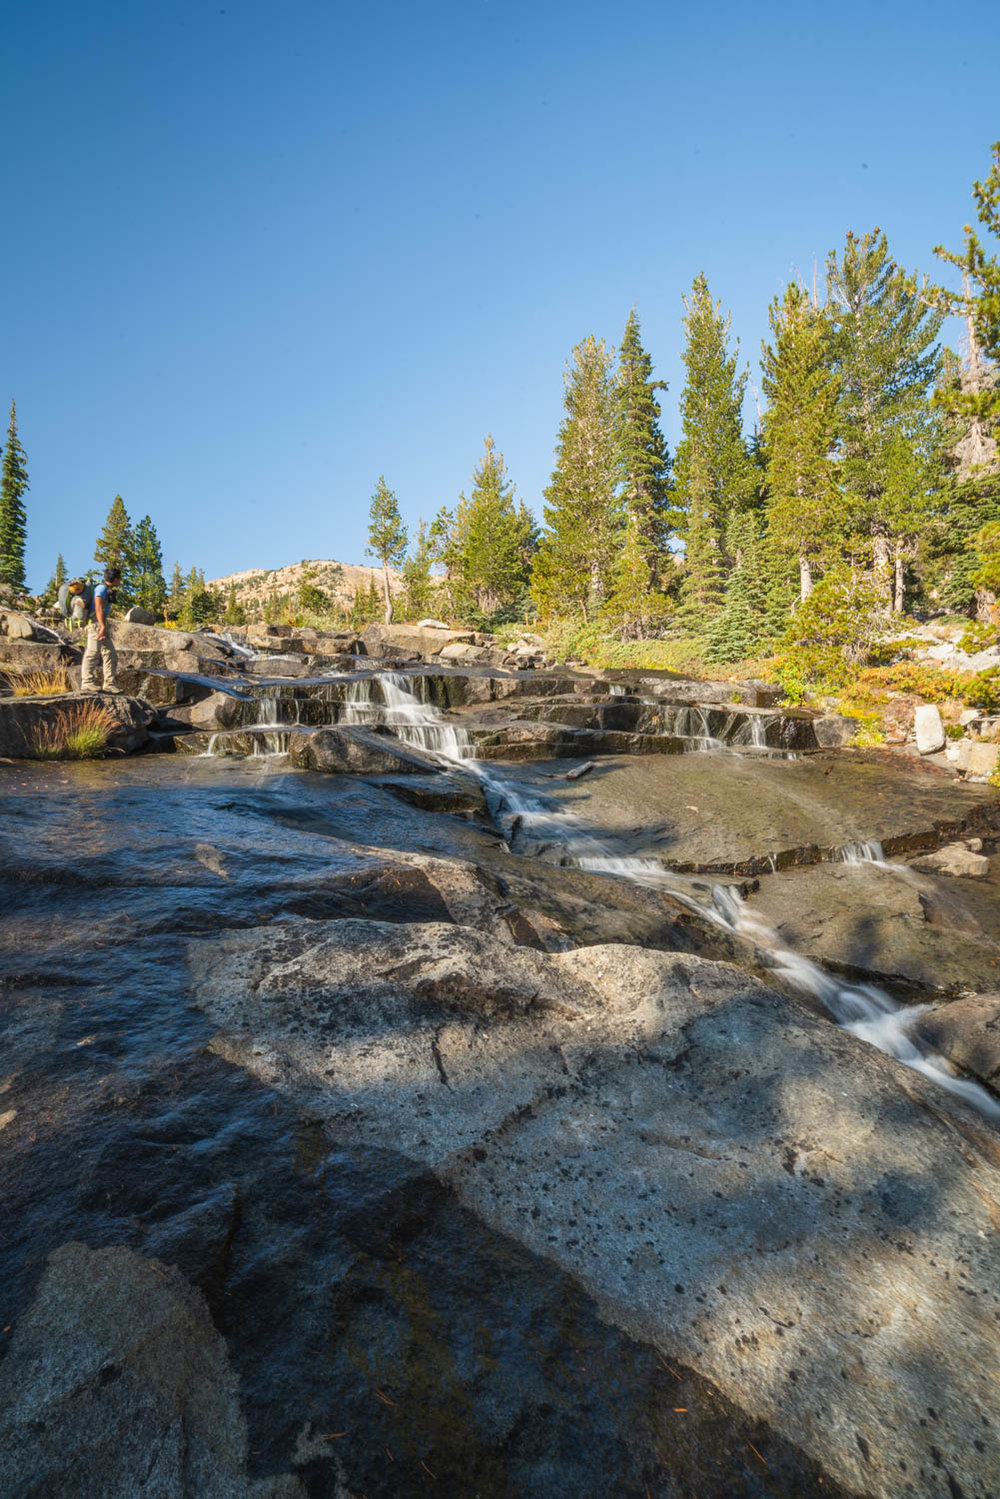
{"x": 863, "y": 1009}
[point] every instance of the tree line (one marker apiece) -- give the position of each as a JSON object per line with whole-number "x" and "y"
{"x": 874, "y": 459}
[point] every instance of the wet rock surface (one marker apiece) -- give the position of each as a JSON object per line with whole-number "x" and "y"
{"x": 460, "y": 1166}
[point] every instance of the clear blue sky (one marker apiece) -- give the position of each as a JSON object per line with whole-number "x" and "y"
{"x": 255, "y": 255}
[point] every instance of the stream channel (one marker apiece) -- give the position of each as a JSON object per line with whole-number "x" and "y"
{"x": 475, "y": 1149}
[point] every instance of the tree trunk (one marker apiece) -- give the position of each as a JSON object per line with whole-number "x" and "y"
{"x": 882, "y": 562}
{"x": 388, "y": 595}
{"x": 899, "y": 581}
{"x": 805, "y": 579}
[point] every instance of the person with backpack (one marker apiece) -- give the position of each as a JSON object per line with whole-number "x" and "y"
{"x": 100, "y": 646}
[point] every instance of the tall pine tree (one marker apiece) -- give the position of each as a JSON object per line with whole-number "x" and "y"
{"x": 115, "y": 547}
{"x": 643, "y": 455}
{"x": 491, "y": 545}
{"x": 13, "y": 515}
{"x": 147, "y": 581}
{"x": 713, "y": 476}
{"x": 583, "y": 511}
{"x": 887, "y": 358}
{"x": 386, "y": 536}
{"x": 800, "y": 428}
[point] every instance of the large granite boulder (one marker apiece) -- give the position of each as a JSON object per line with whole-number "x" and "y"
{"x": 35, "y": 655}
{"x": 24, "y": 719}
{"x": 139, "y": 616}
{"x": 411, "y": 639}
{"x": 736, "y": 1183}
{"x": 967, "y": 1031}
{"x": 116, "y": 1383}
{"x": 347, "y": 749}
{"x": 15, "y": 626}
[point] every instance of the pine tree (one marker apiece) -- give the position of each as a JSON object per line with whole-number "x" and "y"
{"x": 418, "y": 584}
{"x": 13, "y": 515}
{"x": 56, "y": 581}
{"x": 583, "y": 512}
{"x": 887, "y": 359}
{"x": 746, "y": 623}
{"x": 634, "y": 608}
{"x": 979, "y": 300}
{"x": 175, "y": 596}
{"x": 386, "y": 536}
{"x": 148, "y": 586}
{"x": 490, "y": 546}
{"x": 800, "y": 427}
{"x": 713, "y": 476}
{"x": 642, "y": 449}
{"x": 236, "y": 614}
{"x": 115, "y": 547}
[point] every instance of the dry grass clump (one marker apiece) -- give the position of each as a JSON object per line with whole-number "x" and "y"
{"x": 81, "y": 733}
{"x": 36, "y": 683}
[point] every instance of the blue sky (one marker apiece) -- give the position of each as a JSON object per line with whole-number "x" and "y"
{"x": 255, "y": 254}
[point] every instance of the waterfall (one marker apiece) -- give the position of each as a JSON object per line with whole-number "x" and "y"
{"x": 691, "y": 724}
{"x": 861, "y": 853}
{"x": 863, "y": 1009}
{"x": 412, "y": 719}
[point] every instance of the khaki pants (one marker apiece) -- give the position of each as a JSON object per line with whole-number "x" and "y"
{"x": 104, "y": 651}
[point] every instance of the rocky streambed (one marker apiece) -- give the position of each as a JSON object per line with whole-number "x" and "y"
{"x": 385, "y": 1109}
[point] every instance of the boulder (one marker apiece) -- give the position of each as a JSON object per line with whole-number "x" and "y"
{"x": 834, "y": 730}
{"x": 735, "y": 1182}
{"x": 35, "y": 655}
{"x": 411, "y": 639}
{"x": 977, "y": 758}
{"x": 22, "y": 719}
{"x": 928, "y": 729}
{"x": 432, "y": 624}
{"x": 276, "y": 666}
{"x": 116, "y": 1382}
{"x": 347, "y": 749}
{"x": 16, "y": 626}
{"x": 967, "y": 1032}
{"x": 139, "y": 616}
{"x": 955, "y": 860}
{"x": 144, "y": 637}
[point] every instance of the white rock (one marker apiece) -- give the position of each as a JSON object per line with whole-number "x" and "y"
{"x": 928, "y": 729}
{"x": 955, "y": 860}
{"x": 432, "y": 624}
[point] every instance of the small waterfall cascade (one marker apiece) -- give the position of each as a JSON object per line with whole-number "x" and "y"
{"x": 861, "y": 853}
{"x": 752, "y": 732}
{"x": 691, "y": 724}
{"x": 240, "y": 648}
{"x": 388, "y": 700}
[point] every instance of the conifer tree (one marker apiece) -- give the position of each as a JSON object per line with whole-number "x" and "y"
{"x": 236, "y": 613}
{"x": 713, "y": 475}
{"x": 148, "y": 586}
{"x": 386, "y": 536}
{"x": 13, "y": 515}
{"x": 583, "y": 512}
{"x": 115, "y": 547}
{"x": 490, "y": 545}
{"x": 887, "y": 359}
{"x": 418, "y": 584}
{"x": 57, "y": 580}
{"x": 749, "y": 620}
{"x": 979, "y": 300}
{"x": 175, "y": 596}
{"x": 634, "y": 607}
{"x": 643, "y": 455}
{"x": 800, "y": 427}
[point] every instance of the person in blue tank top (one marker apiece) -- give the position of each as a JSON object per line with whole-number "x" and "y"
{"x": 100, "y": 646}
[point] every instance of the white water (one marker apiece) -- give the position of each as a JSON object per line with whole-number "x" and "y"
{"x": 863, "y": 1009}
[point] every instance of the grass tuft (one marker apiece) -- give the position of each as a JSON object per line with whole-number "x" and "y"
{"x": 36, "y": 683}
{"x": 81, "y": 733}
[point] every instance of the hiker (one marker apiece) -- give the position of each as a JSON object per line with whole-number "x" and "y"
{"x": 75, "y": 601}
{"x": 99, "y": 642}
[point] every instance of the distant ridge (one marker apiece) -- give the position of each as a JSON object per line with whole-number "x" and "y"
{"x": 256, "y": 584}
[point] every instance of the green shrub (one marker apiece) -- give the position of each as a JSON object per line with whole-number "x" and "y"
{"x": 833, "y": 634}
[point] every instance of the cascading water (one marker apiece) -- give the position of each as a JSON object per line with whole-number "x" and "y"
{"x": 863, "y": 1009}
{"x": 413, "y": 720}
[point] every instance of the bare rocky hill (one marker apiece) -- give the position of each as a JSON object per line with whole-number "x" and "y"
{"x": 340, "y": 580}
